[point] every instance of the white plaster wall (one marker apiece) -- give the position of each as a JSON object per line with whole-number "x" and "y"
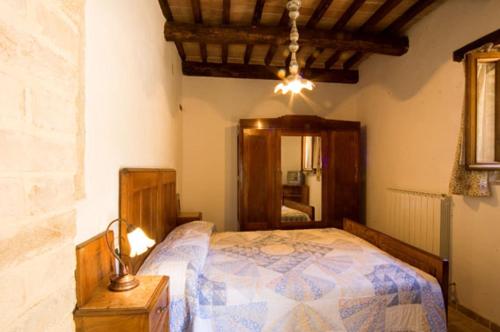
{"x": 212, "y": 108}
{"x": 133, "y": 88}
{"x": 411, "y": 107}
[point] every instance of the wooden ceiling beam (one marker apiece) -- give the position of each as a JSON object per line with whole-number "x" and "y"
{"x": 353, "y": 60}
{"x": 248, "y": 53}
{"x": 382, "y": 44}
{"x": 378, "y": 16}
{"x": 226, "y": 11}
{"x": 408, "y": 15}
{"x": 341, "y": 23}
{"x": 348, "y": 14}
{"x": 226, "y": 18}
{"x": 273, "y": 48}
{"x": 318, "y": 13}
{"x": 333, "y": 59}
{"x": 196, "y": 7}
{"x": 257, "y": 14}
{"x": 198, "y": 18}
{"x": 493, "y": 38}
{"x": 165, "y": 9}
{"x": 395, "y": 26}
{"x": 167, "y": 13}
{"x": 316, "y": 16}
{"x": 265, "y": 72}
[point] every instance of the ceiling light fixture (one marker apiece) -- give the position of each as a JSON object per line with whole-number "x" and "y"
{"x": 293, "y": 82}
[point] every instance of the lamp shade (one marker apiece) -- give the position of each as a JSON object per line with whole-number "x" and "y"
{"x": 139, "y": 242}
{"x": 293, "y": 84}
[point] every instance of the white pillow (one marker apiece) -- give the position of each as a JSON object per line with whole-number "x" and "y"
{"x": 186, "y": 246}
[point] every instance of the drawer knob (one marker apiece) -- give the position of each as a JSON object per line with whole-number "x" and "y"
{"x": 161, "y": 309}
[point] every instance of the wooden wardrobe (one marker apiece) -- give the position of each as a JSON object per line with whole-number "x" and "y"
{"x": 259, "y": 170}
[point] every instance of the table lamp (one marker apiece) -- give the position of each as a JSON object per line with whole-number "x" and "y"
{"x": 139, "y": 243}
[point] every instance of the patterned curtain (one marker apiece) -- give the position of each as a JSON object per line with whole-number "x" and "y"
{"x": 463, "y": 181}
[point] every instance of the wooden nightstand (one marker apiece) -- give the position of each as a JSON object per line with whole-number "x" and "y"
{"x": 144, "y": 308}
{"x": 185, "y": 217}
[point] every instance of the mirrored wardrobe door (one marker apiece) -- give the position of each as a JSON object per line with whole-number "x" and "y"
{"x": 301, "y": 180}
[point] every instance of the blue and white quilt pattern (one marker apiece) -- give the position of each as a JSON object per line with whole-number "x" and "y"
{"x": 181, "y": 256}
{"x": 311, "y": 280}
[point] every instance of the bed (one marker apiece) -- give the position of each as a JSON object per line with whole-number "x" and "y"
{"x": 355, "y": 279}
{"x": 292, "y": 211}
{"x": 292, "y": 215}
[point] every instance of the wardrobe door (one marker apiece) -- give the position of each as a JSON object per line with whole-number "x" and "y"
{"x": 344, "y": 186}
{"x": 259, "y": 201}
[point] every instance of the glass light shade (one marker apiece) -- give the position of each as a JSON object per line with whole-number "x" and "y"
{"x": 139, "y": 242}
{"x": 293, "y": 84}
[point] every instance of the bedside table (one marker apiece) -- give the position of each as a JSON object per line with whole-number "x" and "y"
{"x": 185, "y": 217}
{"x": 144, "y": 308}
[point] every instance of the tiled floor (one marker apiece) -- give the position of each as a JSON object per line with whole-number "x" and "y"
{"x": 458, "y": 322}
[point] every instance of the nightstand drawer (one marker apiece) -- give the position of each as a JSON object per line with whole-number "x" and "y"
{"x": 158, "y": 317}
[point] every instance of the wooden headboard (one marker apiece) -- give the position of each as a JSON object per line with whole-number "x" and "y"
{"x": 147, "y": 200}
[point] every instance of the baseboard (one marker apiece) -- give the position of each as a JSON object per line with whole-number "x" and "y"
{"x": 475, "y": 316}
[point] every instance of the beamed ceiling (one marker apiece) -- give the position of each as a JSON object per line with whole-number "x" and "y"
{"x": 249, "y": 38}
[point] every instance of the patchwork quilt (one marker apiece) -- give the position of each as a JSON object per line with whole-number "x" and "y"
{"x": 312, "y": 280}
{"x": 299, "y": 280}
{"x": 181, "y": 256}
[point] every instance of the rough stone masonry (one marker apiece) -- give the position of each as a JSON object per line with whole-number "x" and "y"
{"x": 41, "y": 160}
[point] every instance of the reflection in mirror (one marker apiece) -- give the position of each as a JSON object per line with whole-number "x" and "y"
{"x": 488, "y": 110}
{"x": 301, "y": 179}
{"x": 311, "y": 153}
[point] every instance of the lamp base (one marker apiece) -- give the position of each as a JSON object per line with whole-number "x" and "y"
{"x": 122, "y": 283}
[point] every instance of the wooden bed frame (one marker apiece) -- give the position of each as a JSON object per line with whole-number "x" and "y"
{"x": 427, "y": 262}
{"x": 148, "y": 200}
{"x": 307, "y": 209}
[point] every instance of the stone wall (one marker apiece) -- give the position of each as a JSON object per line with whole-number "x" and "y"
{"x": 41, "y": 160}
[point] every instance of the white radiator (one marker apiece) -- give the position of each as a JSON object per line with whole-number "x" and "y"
{"x": 420, "y": 219}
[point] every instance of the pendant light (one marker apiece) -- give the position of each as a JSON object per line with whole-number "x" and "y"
{"x": 293, "y": 83}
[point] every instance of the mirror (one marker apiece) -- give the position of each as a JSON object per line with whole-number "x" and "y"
{"x": 483, "y": 113}
{"x": 301, "y": 179}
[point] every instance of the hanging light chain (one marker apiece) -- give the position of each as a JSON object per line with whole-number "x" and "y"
{"x": 293, "y": 7}
{"x": 293, "y": 83}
